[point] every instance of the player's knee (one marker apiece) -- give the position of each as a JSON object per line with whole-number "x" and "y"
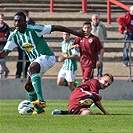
{"x": 28, "y": 87}
{"x": 86, "y": 112}
{"x": 60, "y": 82}
{"x": 34, "y": 68}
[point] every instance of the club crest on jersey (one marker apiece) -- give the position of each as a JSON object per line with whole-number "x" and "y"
{"x": 90, "y": 40}
{"x": 27, "y": 46}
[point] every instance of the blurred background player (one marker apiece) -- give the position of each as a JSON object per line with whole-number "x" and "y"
{"x": 84, "y": 95}
{"x": 88, "y": 48}
{"x": 99, "y": 30}
{"x": 4, "y": 33}
{"x": 67, "y": 74}
{"x": 21, "y": 54}
{"x": 126, "y": 27}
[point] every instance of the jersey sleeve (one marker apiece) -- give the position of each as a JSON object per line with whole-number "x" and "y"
{"x": 76, "y": 41}
{"x": 10, "y": 45}
{"x": 43, "y": 29}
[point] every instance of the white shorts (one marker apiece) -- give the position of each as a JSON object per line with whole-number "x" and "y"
{"x": 67, "y": 74}
{"x": 46, "y": 62}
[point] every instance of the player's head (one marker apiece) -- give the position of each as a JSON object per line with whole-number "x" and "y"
{"x": 95, "y": 18}
{"x": 106, "y": 80}
{"x": 131, "y": 10}
{"x": 66, "y": 36}
{"x": 1, "y": 17}
{"x": 87, "y": 27}
{"x": 20, "y": 21}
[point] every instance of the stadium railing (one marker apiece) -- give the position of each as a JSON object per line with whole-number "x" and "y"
{"x": 109, "y": 2}
{"x": 84, "y": 6}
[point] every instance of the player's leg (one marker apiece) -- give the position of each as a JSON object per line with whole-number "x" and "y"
{"x": 85, "y": 111}
{"x": 70, "y": 77}
{"x": 61, "y": 81}
{"x": 30, "y": 90}
{"x": 36, "y": 70}
{"x": 4, "y": 67}
{"x": 99, "y": 70}
{"x": 67, "y": 78}
{"x": 32, "y": 94}
{"x": 125, "y": 50}
{"x": 60, "y": 112}
{"x": 88, "y": 74}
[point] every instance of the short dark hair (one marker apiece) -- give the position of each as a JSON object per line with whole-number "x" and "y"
{"x": 21, "y": 14}
{"x": 2, "y": 14}
{"x": 109, "y": 75}
{"x": 26, "y": 11}
{"x": 87, "y": 23}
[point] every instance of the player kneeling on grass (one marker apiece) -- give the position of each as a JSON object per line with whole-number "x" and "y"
{"x": 85, "y": 95}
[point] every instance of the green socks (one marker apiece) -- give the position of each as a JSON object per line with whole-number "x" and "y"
{"x": 36, "y": 82}
{"x": 33, "y": 97}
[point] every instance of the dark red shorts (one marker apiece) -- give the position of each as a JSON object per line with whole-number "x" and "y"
{"x": 87, "y": 73}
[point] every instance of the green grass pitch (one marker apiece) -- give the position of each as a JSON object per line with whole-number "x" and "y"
{"x": 120, "y": 120}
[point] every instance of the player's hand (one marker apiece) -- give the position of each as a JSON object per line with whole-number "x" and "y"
{"x": 61, "y": 58}
{"x": 74, "y": 46}
{"x": 99, "y": 64}
{"x": 106, "y": 113}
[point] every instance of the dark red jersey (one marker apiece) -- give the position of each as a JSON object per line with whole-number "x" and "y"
{"x": 90, "y": 87}
{"x": 88, "y": 50}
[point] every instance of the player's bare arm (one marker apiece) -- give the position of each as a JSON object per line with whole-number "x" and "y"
{"x": 62, "y": 58}
{"x": 101, "y": 55}
{"x": 3, "y": 54}
{"x": 72, "y": 57}
{"x": 100, "y": 106}
{"x": 99, "y": 62}
{"x": 79, "y": 33}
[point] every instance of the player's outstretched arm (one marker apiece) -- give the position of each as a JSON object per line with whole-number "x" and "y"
{"x": 100, "y": 106}
{"x": 3, "y": 54}
{"x": 79, "y": 33}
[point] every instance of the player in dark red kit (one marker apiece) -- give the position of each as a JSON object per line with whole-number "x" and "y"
{"x": 85, "y": 95}
{"x": 88, "y": 47}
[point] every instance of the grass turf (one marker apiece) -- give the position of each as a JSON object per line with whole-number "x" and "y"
{"x": 120, "y": 120}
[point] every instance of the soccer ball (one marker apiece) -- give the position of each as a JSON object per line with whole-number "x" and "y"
{"x": 25, "y": 108}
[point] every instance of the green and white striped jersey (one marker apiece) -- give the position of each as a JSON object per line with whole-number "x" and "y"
{"x": 31, "y": 41}
{"x": 69, "y": 64}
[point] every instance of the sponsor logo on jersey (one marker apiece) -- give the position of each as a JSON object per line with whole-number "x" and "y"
{"x": 27, "y": 46}
{"x": 65, "y": 53}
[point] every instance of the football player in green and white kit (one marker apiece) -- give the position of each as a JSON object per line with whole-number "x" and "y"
{"x": 30, "y": 39}
{"x": 67, "y": 74}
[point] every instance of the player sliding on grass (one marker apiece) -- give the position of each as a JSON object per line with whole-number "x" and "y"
{"x": 85, "y": 95}
{"x": 30, "y": 39}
